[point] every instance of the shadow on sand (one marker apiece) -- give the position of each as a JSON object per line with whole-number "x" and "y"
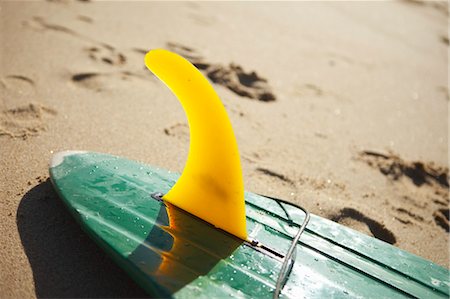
{"x": 65, "y": 261}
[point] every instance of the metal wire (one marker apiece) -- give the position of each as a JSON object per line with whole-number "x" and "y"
{"x": 291, "y": 255}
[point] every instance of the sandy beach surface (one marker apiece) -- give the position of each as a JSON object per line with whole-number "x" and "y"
{"x": 341, "y": 107}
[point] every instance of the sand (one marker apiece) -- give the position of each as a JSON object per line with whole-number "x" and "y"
{"x": 341, "y": 107}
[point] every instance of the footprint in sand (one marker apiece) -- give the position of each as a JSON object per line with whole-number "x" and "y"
{"x": 248, "y": 85}
{"x": 180, "y": 130}
{"x": 441, "y": 217}
{"x": 17, "y": 83}
{"x": 441, "y": 202}
{"x": 378, "y": 230}
{"x": 89, "y": 80}
{"x": 233, "y": 76}
{"x": 402, "y": 212}
{"x": 275, "y": 174}
{"x": 21, "y": 78}
{"x": 418, "y": 172}
{"x": 99, "y": 52}
{"x": 106, "y": 54}
{"x": 40, "y": 24}
{"x": 101, "y": 81}
{"x": 25, "y": 121}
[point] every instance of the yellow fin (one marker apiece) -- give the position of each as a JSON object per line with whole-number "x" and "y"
{"x": 211, "y": 185}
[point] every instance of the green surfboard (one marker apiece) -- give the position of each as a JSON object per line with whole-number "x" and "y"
{"x": 171, "y": 253}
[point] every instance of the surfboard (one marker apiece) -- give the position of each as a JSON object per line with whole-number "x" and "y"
{"x": 199, "y": 235}
{"x": 172, "y": 253}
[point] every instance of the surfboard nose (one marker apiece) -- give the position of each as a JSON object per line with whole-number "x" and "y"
{"x": 58, "y": 157}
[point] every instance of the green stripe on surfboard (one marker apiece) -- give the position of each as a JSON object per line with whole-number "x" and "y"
{"x": 171, "y": 253}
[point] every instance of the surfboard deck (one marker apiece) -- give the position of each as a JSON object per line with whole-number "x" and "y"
{"x": 171, "y": 253}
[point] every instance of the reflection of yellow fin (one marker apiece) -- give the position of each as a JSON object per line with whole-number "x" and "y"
{"x": 211, "y": 185}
